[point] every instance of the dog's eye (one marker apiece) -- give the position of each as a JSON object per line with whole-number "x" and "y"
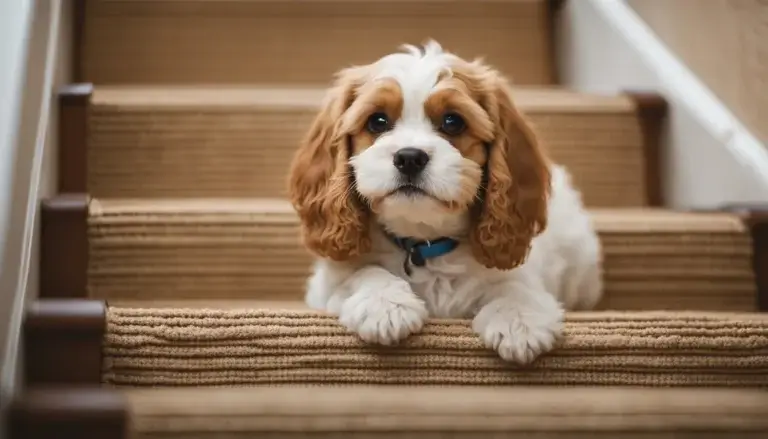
{"x": 453, "y": 124}
{"x": 377, "y": 123}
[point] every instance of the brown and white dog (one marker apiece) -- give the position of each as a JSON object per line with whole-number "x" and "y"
{"x": 424, "y": 192}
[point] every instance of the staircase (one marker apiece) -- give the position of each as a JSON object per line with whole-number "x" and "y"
{"x": 171, "y": 272}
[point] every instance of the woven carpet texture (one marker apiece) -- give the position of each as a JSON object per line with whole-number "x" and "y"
{"x": 429, "y": 412}
{"x": 198, "y": 347}
{"x": 250, "y": 249}
{"x": 180, "y": 42}
{"x": 210, "y": 142}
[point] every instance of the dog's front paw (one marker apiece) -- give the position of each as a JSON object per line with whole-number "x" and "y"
{"x": 519, "y": 332}
{"x": 384, "y": 314}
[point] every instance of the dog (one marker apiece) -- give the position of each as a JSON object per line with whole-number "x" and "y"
{"x": 423, "y": 192}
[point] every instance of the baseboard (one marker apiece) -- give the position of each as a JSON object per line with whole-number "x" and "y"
{"x": 709, "y": 158}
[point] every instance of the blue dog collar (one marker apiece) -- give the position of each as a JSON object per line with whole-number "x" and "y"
{"x": 417, "y": 251}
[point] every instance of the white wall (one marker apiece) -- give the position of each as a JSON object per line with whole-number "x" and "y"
{"x": 15, "y": 22}
{"x": 14, "y": 25}
{"x": 34, "y": 44}
{"x": 725, "y": 42}
{"x": 709, "y": 158}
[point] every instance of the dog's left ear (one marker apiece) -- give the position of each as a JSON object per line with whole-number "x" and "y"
{"x": 333, "y": 223}
{"x": 514, "y": 208}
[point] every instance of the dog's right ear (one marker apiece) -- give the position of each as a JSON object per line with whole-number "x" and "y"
{"x": 334, "y": 224}
{"x": 514, "y": 209}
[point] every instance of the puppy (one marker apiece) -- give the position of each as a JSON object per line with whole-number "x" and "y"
{"x": 424, "y": 192}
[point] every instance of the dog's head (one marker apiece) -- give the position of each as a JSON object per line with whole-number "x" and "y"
{"x": 422, "y": 143}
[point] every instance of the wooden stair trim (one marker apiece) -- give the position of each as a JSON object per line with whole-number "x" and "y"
{"x": 64, "y": 246}
{"x": 78, "y": 13}
{"x": 553, "y": 10}
{"x": 63, "y": 340}
{"x": 758, "y": 225}
{"x": 74, "y": 111}
{"x": 755, "y": 218}
{"x": 69, "y": 413}
{"x": 652, "y": 110}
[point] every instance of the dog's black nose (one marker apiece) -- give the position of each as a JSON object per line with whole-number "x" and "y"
{"x": 410, "y": 161}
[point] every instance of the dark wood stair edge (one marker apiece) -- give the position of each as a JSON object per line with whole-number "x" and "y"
{"x": 553, "y": 8}
{"x": 755, "y": 217}
{"x": 78, "y": 38}
{"x": 758, "y": 225}
{"x": 69, "y": 412}
{"x": 63, "y": 341}
{"x": 64, "y": 246}
{"x": 652, "y": 110}
{"x": 74, "y": 109}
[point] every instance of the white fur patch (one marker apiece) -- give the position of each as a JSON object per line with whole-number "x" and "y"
{"x": 417, "y": 74}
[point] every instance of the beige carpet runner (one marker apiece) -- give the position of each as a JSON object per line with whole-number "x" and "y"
{"x": 436, "y": 413}
{"x": 198, "y": 347}
{"x": 238, "y": 142}
{"x": 249, "y": 249}
{"x": 180, "y": 42}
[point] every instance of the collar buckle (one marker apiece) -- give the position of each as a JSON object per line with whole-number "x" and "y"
{"x": 416, "y": 257}
{"x": 417, "y": 252}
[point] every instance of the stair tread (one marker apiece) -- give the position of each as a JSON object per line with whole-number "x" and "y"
{"x": 196, "y": 347}
{"x": 529, "y": 99}
{"x": 561, "y": 412}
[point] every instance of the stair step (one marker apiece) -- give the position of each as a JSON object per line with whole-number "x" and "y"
{"x": 392, "y": 412}
{"x": 170, "y": 249}
{"x": 237, "y": 41}
{"x": 201, "y": 347}
{"x": 238, "y": 142}
{"x": 398, "y": 412}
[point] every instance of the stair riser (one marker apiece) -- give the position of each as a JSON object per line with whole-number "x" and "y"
{"x": 198, "y": 347}
{"x": 396, "y": 412}
{"x": 248, "y": 154}
{"x": 168, "y": 42}
{"x": 147, "y": 147}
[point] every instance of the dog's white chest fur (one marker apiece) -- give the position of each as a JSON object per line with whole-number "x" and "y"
{"x": 447, "y": 296}
{"x": 443, "y": 284}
